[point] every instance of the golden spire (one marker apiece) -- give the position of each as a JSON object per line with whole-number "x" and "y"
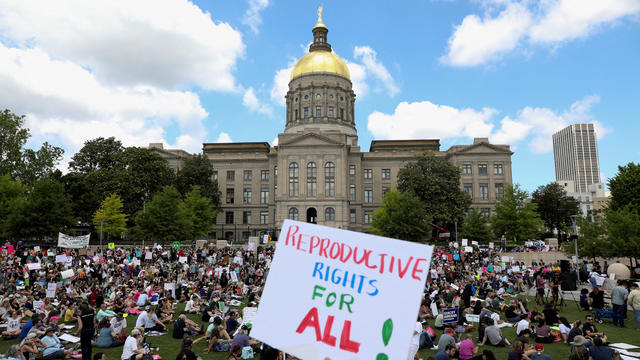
{"x": 320, "y": 23}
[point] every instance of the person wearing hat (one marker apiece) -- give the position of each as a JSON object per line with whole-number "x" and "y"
{"x": 31, "y": 345}
{"x": 539, "y": 353}
{"x": 578, "y": 349}
{"x": 185, "y": 351}
{"x": 242, "y": 337}
{"x": 119, "y": 326}
{"x": 447, "y": 339}
{"x": 131, "y": 350}
{"x": 53, "y": 347}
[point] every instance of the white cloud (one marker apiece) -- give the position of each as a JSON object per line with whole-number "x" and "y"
{"x": 169, "y": 44}
{"x": 477, "y": 40}
{"x": 224, "y": 138}
{"x": 281, "y": 84}
{"x": 569, "y": 19}
{"x": 368, "y": 56}
{"x": 252, "y": 17}
{"x": 250, "y": 100}
{"x": 521, "y": 24}
{"x": 535, "y": 125}
{"x": 358, "y": 78}
{"x": 274, "y": 142}
{"x": 65, "y": 102}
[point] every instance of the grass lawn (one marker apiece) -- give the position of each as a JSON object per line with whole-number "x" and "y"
{"x": 169, "y": 346}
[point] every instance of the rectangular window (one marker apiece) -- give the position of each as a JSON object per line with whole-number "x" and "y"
{"x": 264, "y": 217}
{"x": 275, "y": 171}
{"x": 247, "y": 175}
{"x": 352, "y": 170}
{"x": 367, "y": 217}
{"x": 341, "y": 113}
{"x": 230, "y": 195}
{"x": 275, "y": 192}
{"x": 330, "y": 181}
{"x": 468, "y": 189}
{"x": 264, "y": 175}
{"x": 228, "y": 217}
{"x": 352, "y": 216}
{"x": 486, "y": 212}
{"x": 246, "y": 196}
{"x": 306, "y": 112}
{"x": 386, "y": 174}
{"x": 231, "y": 175}
{"x": 245, "y": 235}
{"x": 296, "y": 114}
{"x": 466, "y": 169}
{"x": 484, "y": 191}
{"x": 497, "y": 169}
{"x": 352, "y": 192}
{"x": 264, "y": 195}
{"x": 246, "y": 217}
{"x": 214, "y": 176}
{"x": 330, "y": 111}
{"x": 385, "y": 190}
{"x": 368, "y": 195}
{"x": 499, "y": 191}
{"x": 482, "y": 169}
{"x": 318, "y": 111}
{"x": 368, "y": 173}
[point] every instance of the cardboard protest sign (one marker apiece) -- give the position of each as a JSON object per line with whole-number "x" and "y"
{"x": 234, "y": 276}
{"x": 450, "y": 315}
{"x": 51, "y": 290}
{"x": 67, "y": 274}
{"x": 111, "y": 246}
{"x": 471, "y": 318}
{"x": 468, "y": 249}
{"x": 183, "y": 259}
{"x": 148, "y": 255}
{"x": 61, "y": 258}
{"x": 465, "y": 242}
{"x": 490, "y": 245}
{"x": 265, "y": 238}
{"x": 340, "y": 280}
{"x": 34, "y": 266}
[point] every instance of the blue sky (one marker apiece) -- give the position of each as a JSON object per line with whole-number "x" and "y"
{"x": 184, "y": 73}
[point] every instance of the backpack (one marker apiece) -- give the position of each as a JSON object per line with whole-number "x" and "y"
{"x": 247, "y": 352}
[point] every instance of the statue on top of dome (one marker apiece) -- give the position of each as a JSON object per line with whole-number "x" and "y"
{"x": 320, "y": 13}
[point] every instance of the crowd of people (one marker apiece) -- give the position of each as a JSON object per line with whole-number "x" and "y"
{"x": 48, "y": 294}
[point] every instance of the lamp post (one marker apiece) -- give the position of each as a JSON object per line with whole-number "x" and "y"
{"x": 456, "y": 225}
{"x": 575, "y": 243}
{"x": 101, "y": 221}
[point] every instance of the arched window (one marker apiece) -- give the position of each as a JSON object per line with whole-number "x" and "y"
{"x": 329, "y": 214}
{"x": 312, "y": 180}
{"x": 329, "y": 179}
{"x": 293, "y": 213}
{"x": 293, "y": 179}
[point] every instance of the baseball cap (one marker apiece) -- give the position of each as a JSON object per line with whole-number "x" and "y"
{"x": 448, "y": 330}
{"x": 539, "y": 347}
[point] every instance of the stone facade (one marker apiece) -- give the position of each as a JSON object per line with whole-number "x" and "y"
{"x": 175, "y": 157}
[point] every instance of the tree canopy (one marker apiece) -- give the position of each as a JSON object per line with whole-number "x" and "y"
{"x": 198, "y": 170}
{"x": 200, "y": 213}
{"x": 476, "y": 227}
{"x": 515, "y": 216}
{"x": 625, "y": 188}
{"x": 554, "y": 206}
{"x": 164, "y": 218}
{"x": 111, "y": 217}
{"x": 436, "y": 183}
{"x": 401, "y": 217}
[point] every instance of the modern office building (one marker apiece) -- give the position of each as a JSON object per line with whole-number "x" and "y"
{"x": 318, "y": 172}
{"x": 575, "y": 154}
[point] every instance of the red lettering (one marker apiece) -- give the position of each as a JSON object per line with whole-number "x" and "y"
{"x": 334, "y": 246}
{"x": 311, "y": 319}
{"x": 324, "y": 245}
{"x": 314, "y": 245}
{"x": 393, "y": 261}
{"x": 366, "y": 261}
{"x": 344, "y": 257}
{"x": 365, "y": 256}
{"x": 382, "y": 256}
{"x": 291, "y": 236}
{"x": 300, "y": 242}
{"x": 345, "y": 342}
{"x": 327, "y": 338}
{"x": 416, "y": 269}
{"x": 402, "y": 271}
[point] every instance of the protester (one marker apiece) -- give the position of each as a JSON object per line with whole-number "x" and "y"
{"x": 539, "y": 353}
{"x": 86, "y": 329}
{"x": 634, "y": 302}
{"x": 445, "y": 353}
{"x": 619, "y": 302}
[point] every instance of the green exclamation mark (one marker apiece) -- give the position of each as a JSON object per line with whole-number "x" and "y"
{"x": 387, "y": 329}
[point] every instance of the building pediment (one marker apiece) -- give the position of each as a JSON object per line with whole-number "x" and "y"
{"x": 309, "y": 139}
{"x": 480, "y": 148}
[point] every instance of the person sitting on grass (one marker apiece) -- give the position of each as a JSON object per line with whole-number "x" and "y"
{"x": 107, "y": 336}
{"x": 584, "y": 300}
{"x": 448, "y": 352}
{"x": 591, "y": 331}
{"x": 539, "y": 353}
{"x": 517, "y": 351}
{"x": 600, "y": 351}
{"x": 543, "y": 333}
{"x": 53, "y": 348}
{"x": 30, "y": 346}
{"x": 185, "y": 352}
{"x": 578, "y": 349}
{"x": 14, "y": 353}
{"x": 236, "y": 353}
{"x": 242, "y": 338}
{"x": 13, "y": 325}
{"x": 131, "y": 350}
{"x": 494, "y": 335}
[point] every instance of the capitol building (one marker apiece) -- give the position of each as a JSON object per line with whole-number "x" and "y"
{"x": 318, "y": 172}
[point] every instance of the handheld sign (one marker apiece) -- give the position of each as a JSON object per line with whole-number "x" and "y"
{"x": 111, "y": 246}
{"x": 449, "y": 315}
{"x": 326, "y": 287}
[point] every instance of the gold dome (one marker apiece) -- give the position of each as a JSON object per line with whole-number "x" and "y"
{"x": 320, "y": 62}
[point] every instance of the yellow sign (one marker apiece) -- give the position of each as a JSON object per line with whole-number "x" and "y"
{"x": 112, "y": 246}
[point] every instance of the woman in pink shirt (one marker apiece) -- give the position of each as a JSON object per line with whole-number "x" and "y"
{"x": 467, "y": 348}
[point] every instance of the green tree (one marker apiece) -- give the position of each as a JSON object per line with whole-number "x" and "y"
{"x": 199, "y": 212}
{"x": 515, "y": 216}
{"x": 555, "y": 206}
{"x": 97, "y": 154}
{"x": 164, "y": 218}
{"x": 623, "y": 232}
{"x": 436, "y": 183}
{"x": 110, "y": 217}
{"x": 44, "y": 212}
{"x": 198, "y": 170}
{"x": 401, "y": 216}
{"x": 625, "y": 188}
{"x": 592, "y": 241}
{"x": 26, "y": 165}
{"x": 475, "y": 227}
{"x": 11, "y": 194}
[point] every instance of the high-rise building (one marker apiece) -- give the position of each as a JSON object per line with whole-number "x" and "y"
{"x": 575, "y": 153}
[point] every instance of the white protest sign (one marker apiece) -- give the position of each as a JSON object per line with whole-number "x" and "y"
{"x": 340, "y": 281}
{"x": 61, "y": 258}
{"x": 172, "y": 287}
{"x": 148, "y": 255}
{"x": 34, "y": 266}
{"x": 238, "y": 260}
{"x": 490, "y": 245}
{"x": 51, "y": 290}
{"x": 465, "y": 242}
{"x": 183, "y": 259}
{"x": 37, "y": 306}
{"x": 474, "y": 243}
{"x": 67, "y": 274}
{"x": 265, "y": 238}
{"x": 234, "y": 276}
{"x": 434, "y": 308}
{"x": 73, "y": 242}
{"x": 506, "y": 259}
{"x": 468, "y": 249}
{"x": 251, "y": 246}
{"x": 472, "y": 318}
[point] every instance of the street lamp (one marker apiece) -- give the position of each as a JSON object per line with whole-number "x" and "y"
{"x": 101, "y": 220}
{"x": 575, "y": 243}
{"x": 456, "y": 225}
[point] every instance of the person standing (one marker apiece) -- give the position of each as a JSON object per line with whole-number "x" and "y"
{"x": 618, "y": 298}
{"x": 86, "y": 328}
{"x": 415, "y": 341}
{"x": 634, "y": 302}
